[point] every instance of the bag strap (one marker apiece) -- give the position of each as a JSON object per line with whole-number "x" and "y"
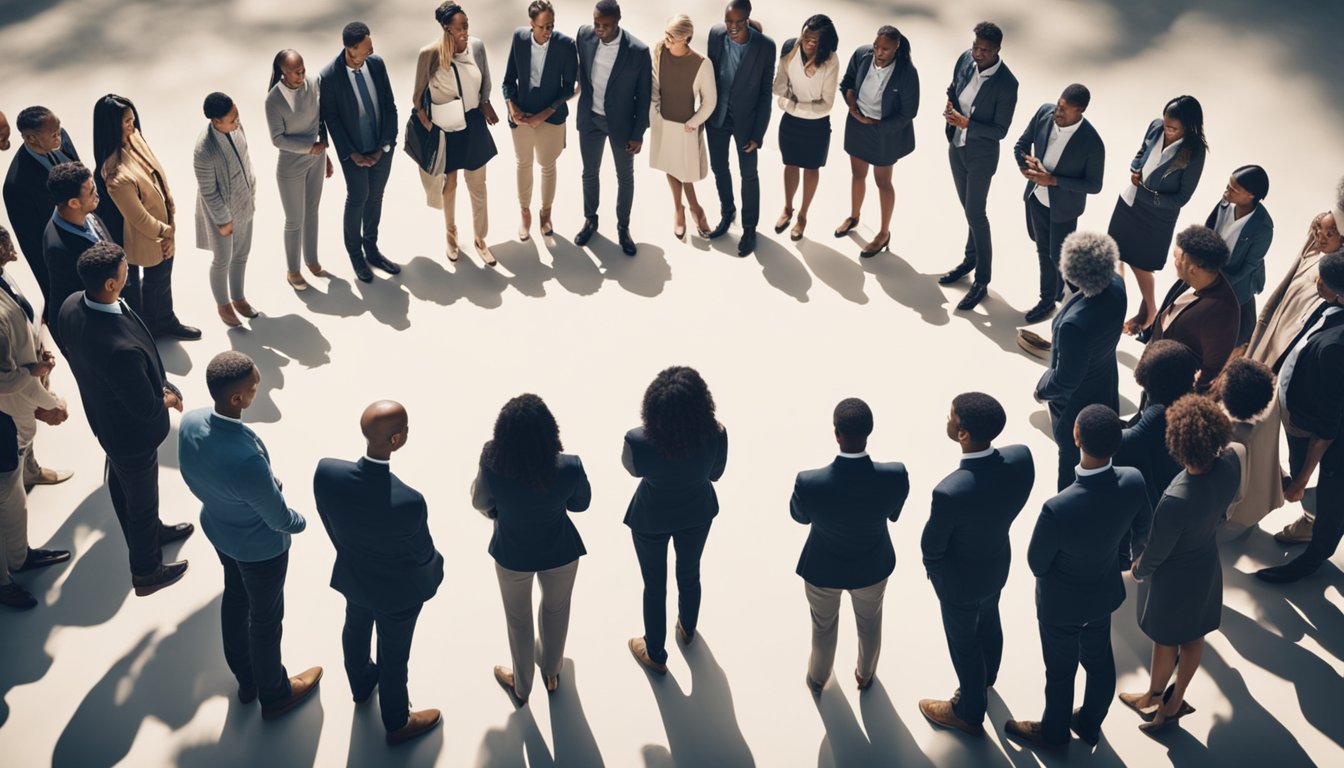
{"x": 459, "y": 81}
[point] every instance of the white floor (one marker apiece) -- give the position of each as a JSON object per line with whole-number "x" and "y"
{"x": 95, "y": 677}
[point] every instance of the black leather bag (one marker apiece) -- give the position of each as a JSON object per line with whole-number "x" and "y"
{"x": 422, "y": 145}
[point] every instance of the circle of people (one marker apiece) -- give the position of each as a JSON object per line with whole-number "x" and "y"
{"x": 1197, "y": 465}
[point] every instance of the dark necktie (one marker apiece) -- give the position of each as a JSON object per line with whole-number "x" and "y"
{"x": 18, "y": 298}
{"x": 368, "y": 124}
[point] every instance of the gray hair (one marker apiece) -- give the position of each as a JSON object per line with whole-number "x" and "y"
{"x": 1339, "y": 204}
{"x": 1088, "y": 260}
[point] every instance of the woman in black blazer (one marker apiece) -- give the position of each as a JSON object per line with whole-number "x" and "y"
{"x": 678, "y": 453}
{"x": 881, "y": 88}
{"x": 1241, "y": 220}
{"x": 527, "y": 486}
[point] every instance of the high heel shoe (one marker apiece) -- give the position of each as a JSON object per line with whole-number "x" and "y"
{"x": 847, "y": 226}
{"x": 546, "y": 229}
{"x": 701, "y": 222}
{"x": 525, "y": 226}
{"x": 483, "y": 251}
{"x": 679, "y": 228}
{"x": 797, "y": 233}
{"x": 877, "y": 248}
{"x": 784, "y": 219}
{"x": 452, "y": 244}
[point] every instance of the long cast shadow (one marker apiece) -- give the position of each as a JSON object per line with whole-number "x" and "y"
{"x": 701, "y": 726}
{"x": 272, "y": 343}
{"x": 842, "y": 273}
{"x": 520, "y": 742}
{"x": 882, "y": 741}
{"x": 368, "y": 742}
{"x": 1103, "y": 756}
{"x": 782, "y": 270}
{"x": 906, "y": 286}
{"x": 644, "y": 274}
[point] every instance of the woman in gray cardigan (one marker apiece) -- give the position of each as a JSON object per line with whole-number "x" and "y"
{"x": 297, "y": 131}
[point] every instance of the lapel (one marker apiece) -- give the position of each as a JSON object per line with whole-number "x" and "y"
{"x": 748, "y": 61}
{"x": 1043, "y": 134}
{"x": 1311, "y": 320}
{"x": 622, "y": 55}
{"x": 865, "y": 64}
{"x": 588, "y": 49}
{"x": 346, "y": 90}
{"x": 1075, "y": 144}
{"x": 964, "y": 75}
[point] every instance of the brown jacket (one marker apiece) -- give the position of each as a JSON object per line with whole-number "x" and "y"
{"x": 139, "y": 188}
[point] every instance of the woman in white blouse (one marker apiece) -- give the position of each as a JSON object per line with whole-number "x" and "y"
{"x": 682, "y": 98}
{"x": 806, "y": 84}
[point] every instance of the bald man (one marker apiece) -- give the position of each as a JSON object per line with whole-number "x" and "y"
{"x": 386, "y": 566}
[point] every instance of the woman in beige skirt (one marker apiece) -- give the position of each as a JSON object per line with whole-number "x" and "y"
{"x": 683, "y": 98}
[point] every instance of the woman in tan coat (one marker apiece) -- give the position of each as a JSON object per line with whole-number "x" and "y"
{"x": 682, "y": 98}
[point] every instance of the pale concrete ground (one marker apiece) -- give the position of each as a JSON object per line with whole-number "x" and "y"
{"x": 94, "y": 678}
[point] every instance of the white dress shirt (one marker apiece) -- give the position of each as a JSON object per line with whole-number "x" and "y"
{"x": 1228, "y": 226}
{"x": 1154, "y": 161}
{"x": 966, "y": 99}
{"x": 368, "y": 81}
{"x": 538, "y": 61}
{"x": 1290, "y": 362}
{"x": 871, "y": 90}
{"x": 978, "y": 454}
{"x": 603, "y": 62}
{"x": 859, "y": 455}
{"x": 1054, "y": 149}
{"x": 112, "y": 309}
{"x": 1078, "y": 470}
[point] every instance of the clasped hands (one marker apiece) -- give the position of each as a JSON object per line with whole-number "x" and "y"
{"x": 1037, "y": 173}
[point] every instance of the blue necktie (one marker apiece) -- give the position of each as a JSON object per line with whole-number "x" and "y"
{"x": 368, "y": 124}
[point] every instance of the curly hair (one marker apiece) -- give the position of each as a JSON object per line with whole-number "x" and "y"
{"x": 1205, "y": 248}
{"x": 1166, "y": 371}
{"x": 1087, "y": 260}
{"x": 989, "y": 32}
{"x": 99, "y": 263}
{"x": 65, "y": 181}
{"x": 1100, "y": 431}
{"x": 678, "y": 412}
{"x": 526, "y": 443}
{"x": 980, "y": 415}
{"x": 1245, "y": 388}
{"x": 1197, "y": 431}
{"x": 225, "y": 372}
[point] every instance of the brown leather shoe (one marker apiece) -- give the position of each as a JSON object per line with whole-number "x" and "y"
{"x": 685, "y": 637}
{"x": 1029, "y": 733}
{"x": 165, "y": 575}
{"x": 296, "y": 281}
{"x": 940, "y": 712}
{"x": 504, "y": 676}
{"x": 245, "y": 309}
{"x": 863, "y": 683}
{"x": 316, "y": 269}
{"x": 1296, "y": 532}
{"x": 640, "y": 650}
{"x": 229, "y": 317}
{"x": 418, "y": 723}
{"x": 300, "y": 687}
{"x": 49, "y": 476}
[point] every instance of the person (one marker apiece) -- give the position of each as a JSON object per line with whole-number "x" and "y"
{"x": 1162, "y": 178}
{"x": 1244, "y": 224}
{"x": 966, "y": 552}
{"x": 1311, "y": 391}
{"x": 678, "y": 453}
{"x": 806, "y": 83}
{"x": 528, "y": 487}
{"x": 743, "y": 58}
{"x": 293, "y": 117}
{"x": 1082, "y": 361}
{"x": 386, "y": 566}
{"x": 615, "y": 82}
{"x": 539, "y": 81}
{"x": 881, "y": 88}
{"x": 24, "y": 399}
{"x": 1072, "y": 554}
{"x": 682, "y": 79}
{"x": 27, "y": 200}
{"x": 246, "y": 518}
{"x": 467, "y": 78}
{"x": 137, "y": 207}
{"x": 981, "y": 101}
{"x": 1184, "y": 600}
{"x": 126, "y": 396}
{"x": 1062, "y": 158}
{"x": 1245, "y": 389}
{"x": 4, "y": 133}
{"x": 356, "y": 106}
{"x": 71, "y": 230}
{"x": 226, "y": 200}
{"x": 1201, "y": 310}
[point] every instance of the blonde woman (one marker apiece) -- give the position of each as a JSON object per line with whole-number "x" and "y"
{"x": 806, "y": 84}
{"x": 682, "y": 98}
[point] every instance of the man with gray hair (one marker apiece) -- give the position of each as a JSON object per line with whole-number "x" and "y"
{"x": 1086, "y": 331}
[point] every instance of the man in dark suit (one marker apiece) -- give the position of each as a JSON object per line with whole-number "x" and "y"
{"x": 361, "y": 118}
{"x": 1062, "y": 158}
{"x": 1311, "y": 388}
{"x": 1206, "y": 321}
{"x": 126, "y": 396}
{"x": 1082, "y": 362}
{"x": 29, "y": 204}
{"x": 744, "y": 72}
{"x": 980, "y": 105}
{"x": 1078, "y": 587}
{"x": 966, "y": 553}
{"x": 69, "y": 233}
{"x": 386, "y": 566}
{"x": 615, "y": 77}
{"x": 848, "y": 504}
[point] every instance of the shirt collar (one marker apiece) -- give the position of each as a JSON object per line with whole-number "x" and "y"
{"x": 111, "y": 309}
{"x": 88, "y": 231}
{"x": 978, "y": 454}
{"x": 46, "y": 159}
{"x": 219, "y": 415}
{"x": 619, "y": 36}
{"x": 351, "y": 70}
{"x": 384, "y": 462}
{"x": 859, "y": 455}
{"x": 750, "y": 33}
{"x": 535, "y": 44}
{"x": 988, "y": 72}
{"x": 1069, "y": 131}
{"x": 1087, "y": 472}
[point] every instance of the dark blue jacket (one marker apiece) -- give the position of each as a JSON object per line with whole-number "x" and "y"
{"x": 1083, "y": 370}
{"x": 900, "y": 101}
{"x": 992, "y": 111}
{"x": 533, "y": 531}
{"x": 1245, "y": 268}
{"x": 1315, "y": 397}
{"x": 749, "y": 96}
{"x": 558, "y": 75}
{"x": 673, "y": 494}
{"x": 628, "y": 89}
{"x": 1169, "y": 187}
{"x": 848, "y": 505}
{"x": 1078, "y": 172}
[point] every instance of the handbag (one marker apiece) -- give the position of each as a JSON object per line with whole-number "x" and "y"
{"x": 450, "y": 117}
{"x": 422, "y": 144}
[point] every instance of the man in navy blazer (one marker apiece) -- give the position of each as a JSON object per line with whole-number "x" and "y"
{"x": 27, "y": 201}
{"x": 615, "y": 78}
{"x": 360, "y": 114}
{"x": 848, "y": 504}
{"x": 1078, "y": 587}
{"x": 386, "y": 566}
{"x": 1062, "y": 158}
{"x": 744, "y": 73}
{"x": 966, "y": 553}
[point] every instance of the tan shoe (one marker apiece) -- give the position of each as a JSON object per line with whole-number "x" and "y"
{"x": 49, "y": 476}
{"x": 1033, "y": 344}
{"x": 940, "y": 712}
{"x": 417, "y": 724}
{"x": 245, "y": 309}
{"x": 504, "y": 676}
{"x": 525, "y": 225}
{"x": 483, "y": 251}
{"x": 546, "y": 229}
{"x": 685, "y": 637}
{"x": 227, "y": 314}
{"x": 300, "y": 686}
{"x": 316, "y": 269}
{"x": 1296, "y": 532}
{"x": 296, "y": 281}
{"x": 640, "y": 650}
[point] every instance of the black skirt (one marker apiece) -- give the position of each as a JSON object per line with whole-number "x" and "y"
{"x": 865, "y": 143}
{"x": 471, "y": 147}
{"x": 1143, "y": 233}
{"x": 804, "y": 143}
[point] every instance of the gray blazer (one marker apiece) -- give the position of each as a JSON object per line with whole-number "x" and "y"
{"x": 294, "y": 130}
{"x": 226, "y": 191}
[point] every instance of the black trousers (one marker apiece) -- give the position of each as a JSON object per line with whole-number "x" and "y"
{"x": 364, "y": 204}
{"x": 395, "y": 629}
{"x": 1061, "y": 424}
{"x": 973, "y": 169}
{"x": 1064, "y": 646}
{"x": 975, "y": 641}
{"x": 592, "y": 144}
{"x": 250, "y": 616}
{"x": 1328, "y": 528}
{"x": 1246, "y": 325}
{"x": 651, "y": 550}
{"x": 1049, "y": 238}
{"x": 133, "y": 482}
{"x": 151, "y": 296}
{"x": 723, "y": 174}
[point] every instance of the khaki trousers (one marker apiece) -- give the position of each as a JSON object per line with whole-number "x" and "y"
{"x": 480, "y": 213}
{"x": 825, "y": 603}
{"x": 543, "y": 146}
{"x": 13, "y": 520}
{"x": 515, "y": 587}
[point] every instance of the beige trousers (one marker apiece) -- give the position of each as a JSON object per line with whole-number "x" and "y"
{"x": 825, "y": 605}
{"x": 541, "y": 145}
{"x": 480, "y": 213}
{"x": 13, "y": 520}
{"x": 515, "y": 587}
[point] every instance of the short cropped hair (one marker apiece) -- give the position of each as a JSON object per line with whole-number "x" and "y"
{"x": 217, "y": 105}
{"x": 1204, "y": 247}
{"x": 66, "y": 181}
{"x": 853, "y": 418}
{"x": 1099, "y": 431}
{"x": 225, "y": 372}
{"x": 740, "y": 5}
{"x": 98, "y": 264}
{"x": 1087, "y": 260}
{"x": 539, "y": 7}
{"x": 980, "y": 415}
{"x": 1245, "y": 387}
{"x": 32, "y": 119}
{"x": 354, "y": 33}
{"x": 608, "y": 8}
{"x": 1077, "y": 95}
{"x": 989, "y": 32}
{"x": 1197, "y": 431}
{"x": 1166, "y": 371}
{"x": 1331, "y": 269}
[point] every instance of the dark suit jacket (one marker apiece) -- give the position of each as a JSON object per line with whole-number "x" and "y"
{"x": 1208, "y": 326}
{"x": 1073, "y": 548}
{"x": 673, "y": 494}
{"x": 29, "y": 206}
{"x": 340, "y": 107}
{"x": 61, "y": 250}
{"x": 1169, "y": 187}
{"x": 1078, "y": 172}
{"x": 1315, "y": 397}
{"x": 1082, "y": 359}
{"x": 628, "y": 88}
{"x": 900, "y": 102}
{"x": 385, "y": 557}
{"x": 120, "y": 375}
{"x": 1144, "y": 447}
{"x": 533, "y": 531}
{"x": 991, "y": 112}
{"x": 749, "y": 102}
{"x": 849, "y": 504}
{"x": 558, "y": 75}
{"x": 1245, "y": 268}
{"x": 965, "y": 542}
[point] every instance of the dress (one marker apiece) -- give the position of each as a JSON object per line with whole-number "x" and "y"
{"x": 806, "y": 101}
{"x": 679, "y": 82}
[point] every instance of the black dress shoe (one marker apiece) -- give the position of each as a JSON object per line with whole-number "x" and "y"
{"x": 961, "y": 270}
{"x": 362, "y": 270}
{"x": 627, "y": 242}
{"x": 41, "y": 558}
{"x": 361, "y": 693}
{"x": 180, "y": 332}
{"x": 586, "y": 234}
{"x": 747, "y": 245}
{"x": 1283, "y": 574}
{"x": 380, "y": 261}
{"x": 973, "y": 297}
{"x": 165, "y": 575}
{"x": 1076, "y": 725}
{"x": 724, "y": 223}
{"x": 170, "y": 533}
{"x": 1043, "y": 309}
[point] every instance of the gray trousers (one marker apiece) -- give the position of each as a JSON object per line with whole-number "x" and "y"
{"x": 825, "y": 603}
{"x": 592, "y": 144}
{"x": 230, "y": 262}
{"x": 515, "y": 587}
{"x": 300, "y": 178}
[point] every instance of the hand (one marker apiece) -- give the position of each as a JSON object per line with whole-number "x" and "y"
{"x": 866, "y": 120}
{"x": 375, "y": 156}
{"x": 515, "y": 114}
{"x": 633, "y": 147}
{"x": 490, "y": 117}
{"x": 1135, "y": 179}
{"x": 42, "y": 369}
{"x": 360, "y": 159}
{"x": 317, "y": 148}
{"x": 1136, "y": 579}
{"x": 52, "y": 416}
{"x": 168, "y": 247}
{"x": 171, "y": 400}
{"x": 532, "y": 121}
{"x": 1043, "y": 178}
{"x": 1295, "y": 490}
{"x": 425, "y": 122}
{"x": 226, "y": 229}
{"x": 330, "y": 168}
{"x": 752, "y": 146}
{"x": 690, "y": 128}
